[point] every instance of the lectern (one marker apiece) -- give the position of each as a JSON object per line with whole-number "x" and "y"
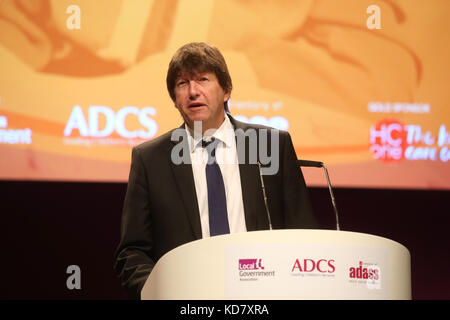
{"x": 283, "y": 264}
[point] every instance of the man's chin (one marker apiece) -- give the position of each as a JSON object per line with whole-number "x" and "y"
{"x": 196, "y": 123}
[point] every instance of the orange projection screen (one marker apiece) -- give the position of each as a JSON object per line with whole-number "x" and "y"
{"x": 361, "y": 85}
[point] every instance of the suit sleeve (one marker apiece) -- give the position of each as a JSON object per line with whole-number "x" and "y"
{"x": 133, "y": 263}
{"x": 297, "y": 208}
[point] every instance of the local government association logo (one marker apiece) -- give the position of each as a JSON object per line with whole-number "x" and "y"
{"x": 253, "y": 269}
{"x": 13, "y": 136}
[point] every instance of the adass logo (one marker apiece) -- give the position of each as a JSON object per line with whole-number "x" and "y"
{"x": 313, "y": 267}
{"x": 371, "y": 272}
{"x": 367, "y": 273}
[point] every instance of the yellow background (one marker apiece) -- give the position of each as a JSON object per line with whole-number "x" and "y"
{"x": 317, "y": 61}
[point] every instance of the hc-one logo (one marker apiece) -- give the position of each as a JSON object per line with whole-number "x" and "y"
{"x": 250, "y": 264}
{"x": 387, "y": 140}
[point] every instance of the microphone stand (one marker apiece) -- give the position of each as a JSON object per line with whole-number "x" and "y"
{"x": 265, "y": 197}
{"x": 318, "y": 164}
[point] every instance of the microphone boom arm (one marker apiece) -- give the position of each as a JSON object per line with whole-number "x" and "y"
{"x": 317, "y": 164}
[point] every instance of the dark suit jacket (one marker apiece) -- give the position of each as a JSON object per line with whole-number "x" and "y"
{"x": 161, "y": 211}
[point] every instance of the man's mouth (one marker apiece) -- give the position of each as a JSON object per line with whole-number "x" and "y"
{"x": 195, "y": 105}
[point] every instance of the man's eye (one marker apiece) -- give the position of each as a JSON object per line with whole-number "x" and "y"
{"x": 181, "y": 83}
{"x": 203, "y": 79}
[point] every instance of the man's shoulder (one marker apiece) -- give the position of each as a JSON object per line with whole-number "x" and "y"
{"x": 156, "y": 142}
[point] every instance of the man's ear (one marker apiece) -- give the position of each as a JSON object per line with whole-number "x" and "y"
{"x": 226, "y": 96}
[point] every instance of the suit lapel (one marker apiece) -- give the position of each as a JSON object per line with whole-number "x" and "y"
{"x": 184, "y": 180}
{"x": 250, "y": 182}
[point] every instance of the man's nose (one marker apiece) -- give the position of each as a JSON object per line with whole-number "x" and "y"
{"x": 193, "y": 89}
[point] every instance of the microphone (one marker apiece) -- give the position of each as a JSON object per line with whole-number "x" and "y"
{"x": 309, "y": 163}
{"x": 317, "y": 164}
{"x": 265, "y": 197}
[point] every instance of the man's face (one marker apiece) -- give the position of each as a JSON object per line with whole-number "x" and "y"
{"x": 199, "y": 97}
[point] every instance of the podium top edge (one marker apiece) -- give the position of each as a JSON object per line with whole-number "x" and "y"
{"x": 319, "y": 236}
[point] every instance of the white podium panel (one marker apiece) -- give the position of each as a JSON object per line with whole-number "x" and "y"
{"x": 283, "y": 264}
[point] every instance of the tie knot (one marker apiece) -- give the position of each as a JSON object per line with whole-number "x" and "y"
{"x": 211, "y": 148}
{"x": 205, "y": 143}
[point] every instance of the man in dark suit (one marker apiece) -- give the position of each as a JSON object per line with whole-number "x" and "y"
{"x": 171, "y": 199}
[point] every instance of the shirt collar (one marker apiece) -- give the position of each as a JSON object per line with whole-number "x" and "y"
{"x": 224, "y": 133}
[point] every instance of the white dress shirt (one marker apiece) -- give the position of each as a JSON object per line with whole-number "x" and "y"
{"x": 227, "y": 159}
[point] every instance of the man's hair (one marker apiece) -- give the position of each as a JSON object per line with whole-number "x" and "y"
{"x": 198, "y": 57}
